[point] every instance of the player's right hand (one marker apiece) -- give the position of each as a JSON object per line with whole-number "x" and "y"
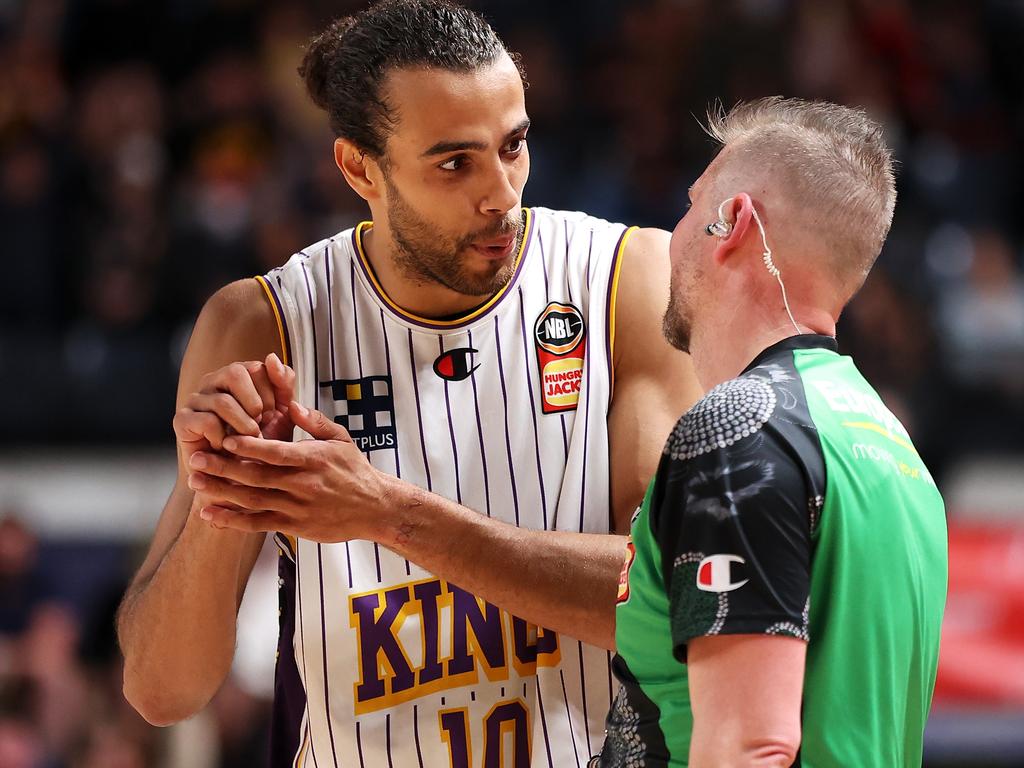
{"x": 248, "y": 398}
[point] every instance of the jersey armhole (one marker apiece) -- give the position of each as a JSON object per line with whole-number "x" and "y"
{"x": 613, "y": 291}
{"x": 282, "y": 330}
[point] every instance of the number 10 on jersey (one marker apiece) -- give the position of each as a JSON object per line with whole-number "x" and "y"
{"x": 505, "y": 718}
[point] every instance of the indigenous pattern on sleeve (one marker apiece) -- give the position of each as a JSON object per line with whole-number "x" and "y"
{"x": 730, "y": 513}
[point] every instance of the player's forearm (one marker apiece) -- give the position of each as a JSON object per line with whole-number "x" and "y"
{"x": 560, "y": 580}
{"x": 177, "y": 630}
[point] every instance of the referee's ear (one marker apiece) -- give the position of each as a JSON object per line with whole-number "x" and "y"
{"x": 361, "y": 170}
{"x": 738, "y": 211}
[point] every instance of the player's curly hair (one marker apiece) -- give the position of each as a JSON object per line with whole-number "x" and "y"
{"x": 346, "y": 65}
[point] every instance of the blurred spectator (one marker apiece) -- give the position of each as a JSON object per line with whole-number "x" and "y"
{"x": 23, "y": 585}
{"x": 981, "y": 319}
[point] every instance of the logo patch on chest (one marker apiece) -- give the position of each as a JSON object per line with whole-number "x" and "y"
{"x": 456, "y": 364}
{"x": 560, "y": 335}
{"x": 366, "y": 408}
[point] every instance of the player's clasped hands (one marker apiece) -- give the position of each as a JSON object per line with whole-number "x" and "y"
{"x": 235, "y": 437}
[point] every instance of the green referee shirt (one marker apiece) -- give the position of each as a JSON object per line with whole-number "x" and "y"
{"x": 788, "y": 501}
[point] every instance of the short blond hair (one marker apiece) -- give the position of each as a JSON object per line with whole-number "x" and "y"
{"x": 834, "y": 163}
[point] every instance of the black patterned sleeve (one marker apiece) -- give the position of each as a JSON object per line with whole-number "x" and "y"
{"x": 731, "y": 514}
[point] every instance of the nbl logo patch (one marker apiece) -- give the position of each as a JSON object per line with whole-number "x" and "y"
{"x": 366, "y": 408}
{"x": 560, "y": 336}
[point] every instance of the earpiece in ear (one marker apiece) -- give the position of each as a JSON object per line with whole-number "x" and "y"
{"x": 719, "y": 228}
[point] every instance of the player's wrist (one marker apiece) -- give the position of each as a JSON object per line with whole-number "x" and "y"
{"x": 394, "y": 500}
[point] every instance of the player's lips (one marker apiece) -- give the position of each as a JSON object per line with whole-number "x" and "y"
{"x": 500, "y": 248}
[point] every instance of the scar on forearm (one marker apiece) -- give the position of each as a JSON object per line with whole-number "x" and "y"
{"x": 405, "y": 533}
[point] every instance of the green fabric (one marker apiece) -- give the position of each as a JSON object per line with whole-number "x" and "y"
{"x": 878, "y": 588}
{"x": 878, "y": 578}
{"x": 643, "y": 638}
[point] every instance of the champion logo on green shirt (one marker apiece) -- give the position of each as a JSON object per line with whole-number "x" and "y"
{"x": 714, "y": 574}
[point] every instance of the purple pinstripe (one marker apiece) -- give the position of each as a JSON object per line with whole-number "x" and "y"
{"x": 568, "y": 287}
{"x": 416, "y": 733}
{"x": 334, "y": 369}
{"x": 298, "y": 570}
{"x": 583, "y": 689}
{"x": 547, "y": 300}
{"x": 586, "y": 431}
{"x": 359, "y": 361}
{"x": 533, "y": 411}
{"x": 451, "y": 429}
{"x": 387, "y": 358}
{"x": 543, "y": 721}
{"x": 544, "y": 263}
{"x": 319, "y": 546}
{"x": 568, "y": 716}
{"x": 480, "y": 434}
{"x": 419, "y": 413}
{"x": 508, "y": 442}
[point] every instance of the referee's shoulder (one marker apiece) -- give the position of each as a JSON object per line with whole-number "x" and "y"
{"x": 728, "y": 414}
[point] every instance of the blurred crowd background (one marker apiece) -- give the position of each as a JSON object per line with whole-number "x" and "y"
{"x": 152, "y": 151}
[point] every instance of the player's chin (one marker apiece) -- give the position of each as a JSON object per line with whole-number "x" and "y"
{"x": 487, "y": 274}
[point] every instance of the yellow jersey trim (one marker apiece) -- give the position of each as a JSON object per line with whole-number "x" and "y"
{"x": 364, "y": 226}
{"x": 304, "y": 749}
{"x": 277, "y": 316}
{"x": 613, "y": 303}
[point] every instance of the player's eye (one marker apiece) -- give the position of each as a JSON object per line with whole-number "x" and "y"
{"x": 453, "y": 163}
{"x": 515, "y": 146}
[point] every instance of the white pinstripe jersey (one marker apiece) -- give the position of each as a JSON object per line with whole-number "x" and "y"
{"x": 505, "y": 411}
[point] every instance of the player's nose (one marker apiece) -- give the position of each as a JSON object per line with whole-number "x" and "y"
{"x": 501, "y": 195}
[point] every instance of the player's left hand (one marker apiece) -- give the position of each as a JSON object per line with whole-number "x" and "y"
{"x": 322, "y": 489}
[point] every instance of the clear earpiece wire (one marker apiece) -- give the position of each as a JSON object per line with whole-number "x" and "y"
{"x": 768, "y": 262}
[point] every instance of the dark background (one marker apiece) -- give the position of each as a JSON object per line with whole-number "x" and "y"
{"x": 151, "y": 152}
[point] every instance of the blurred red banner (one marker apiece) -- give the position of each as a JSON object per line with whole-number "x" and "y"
{"x": 982, "y": 655}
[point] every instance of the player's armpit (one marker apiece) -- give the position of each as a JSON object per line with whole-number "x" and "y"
{"x": 176, "y": 624}
{"x": 653, "y": 382}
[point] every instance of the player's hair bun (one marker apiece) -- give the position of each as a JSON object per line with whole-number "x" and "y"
{"x": 320, "y": 60}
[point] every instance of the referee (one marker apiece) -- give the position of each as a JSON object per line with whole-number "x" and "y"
{"x": 782, "y": 596}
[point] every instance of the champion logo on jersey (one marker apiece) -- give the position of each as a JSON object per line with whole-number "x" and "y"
{"x": 456, "y": 364}
{"x": 560, "y": 335}
{"x": 366, "y": 408}
{"x": 715, "y": 573}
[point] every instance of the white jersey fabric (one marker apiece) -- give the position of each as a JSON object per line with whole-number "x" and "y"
{"x": 504, "y": 411}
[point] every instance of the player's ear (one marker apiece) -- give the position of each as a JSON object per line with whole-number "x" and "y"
{"x": 360, "y": 170}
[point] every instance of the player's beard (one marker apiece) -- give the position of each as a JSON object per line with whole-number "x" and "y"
{"x": 426, "y": 255}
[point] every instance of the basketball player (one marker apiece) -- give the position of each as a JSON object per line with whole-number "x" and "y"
{"x": 508, "y": 359}
{"x": 783, "y": 597}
